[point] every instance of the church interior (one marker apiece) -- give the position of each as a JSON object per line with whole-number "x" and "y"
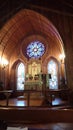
{"x": 36, "y": 63}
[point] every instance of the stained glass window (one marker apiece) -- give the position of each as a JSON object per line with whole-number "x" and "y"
{"x": 20, "y": 76}
{"x": 52, "y": 70}
{"x": 35, "y": 49}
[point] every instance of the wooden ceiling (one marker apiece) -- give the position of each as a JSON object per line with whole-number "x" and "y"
{"x": 10, "y": 7}
{"x": 27, "y": 26}
{"x": 20, "y": 26}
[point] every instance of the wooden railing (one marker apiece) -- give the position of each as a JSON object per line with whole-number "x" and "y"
{"x": 7, "y": 93}
{"x": 46, "y": 94}
{"x": 31, "y": 115}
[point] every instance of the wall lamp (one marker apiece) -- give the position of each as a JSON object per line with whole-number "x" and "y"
{"x": 3, "y": 62}
{"x": 62, "y": 57}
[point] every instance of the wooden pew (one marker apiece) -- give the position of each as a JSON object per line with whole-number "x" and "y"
{"x": 35, "y": 115}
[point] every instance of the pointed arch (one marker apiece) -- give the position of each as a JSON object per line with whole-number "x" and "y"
{"x": 52, "y": 68}
{"x": 20, "y": 76}
{"x": 16, "y": 66}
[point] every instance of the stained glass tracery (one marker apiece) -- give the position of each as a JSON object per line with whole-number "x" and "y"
{"x": 20, "y": 76}
{"x": 52, "y": 69}
{"x": 35, "y": 49}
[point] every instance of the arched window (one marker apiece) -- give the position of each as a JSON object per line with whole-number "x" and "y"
{"x": 53, "y": 74}
{"x": 20, "y": 76}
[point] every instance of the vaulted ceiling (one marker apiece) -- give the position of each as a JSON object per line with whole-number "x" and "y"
{"x": 25, "y": 27}
{"x": 10, "y": 7}
{"x": 20, "y": 26}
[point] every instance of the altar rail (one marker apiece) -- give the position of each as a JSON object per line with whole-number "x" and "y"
{"x": 47, "y": 94}
{"x": 31, "y": 115}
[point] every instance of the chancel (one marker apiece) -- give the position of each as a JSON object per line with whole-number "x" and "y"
{"x": 36, "y": 62}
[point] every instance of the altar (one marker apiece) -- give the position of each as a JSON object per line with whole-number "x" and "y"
{"x": 35, "y": 78}
{"x": 34, "y": 83}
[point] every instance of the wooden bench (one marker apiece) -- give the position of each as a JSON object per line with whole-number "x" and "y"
{"x": 35, "y": 115}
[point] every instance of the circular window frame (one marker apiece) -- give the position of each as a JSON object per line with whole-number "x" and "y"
{"x": 35, "y": 49}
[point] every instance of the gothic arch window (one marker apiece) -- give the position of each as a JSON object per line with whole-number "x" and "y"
{"x": 20, "y": 76}
{"x": 53, "y": 74}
